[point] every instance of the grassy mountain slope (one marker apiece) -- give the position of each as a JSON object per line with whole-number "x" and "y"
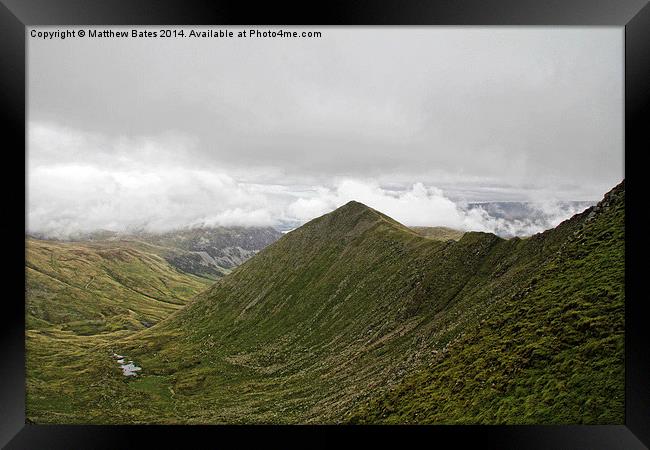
{"x": 81, "y": 297}
{"x": 554, "y": 353}
{"x": 338, "y": 311}
{"x": 183, "y": 260}
{"x": 207, "y": 252}
{"x": 439, "y": 233}
{"x": 101, "y": 287}
{"x": 330, "y": 320}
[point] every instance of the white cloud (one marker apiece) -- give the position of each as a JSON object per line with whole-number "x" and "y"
{"x": 514, "y": 106}
{"x": 67, "y": 198}
{"x": 420, "y": 205}
{"x": 411, "y": 121}
{"x": 121, "y": 184}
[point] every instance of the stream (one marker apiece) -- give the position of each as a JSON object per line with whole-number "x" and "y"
{"x": 129, "y": 369}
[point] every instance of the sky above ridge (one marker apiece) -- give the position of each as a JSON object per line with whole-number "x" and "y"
{"x": 413, "y": 121}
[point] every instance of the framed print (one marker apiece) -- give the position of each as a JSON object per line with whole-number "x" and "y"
{"x": 370, "y": 219}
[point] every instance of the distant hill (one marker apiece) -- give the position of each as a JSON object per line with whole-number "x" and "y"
{"x": 88, "y": 288}
{"x": 354, "y": 317}
{"x": 209, "y": 252}
{"x": 439, "y": 233}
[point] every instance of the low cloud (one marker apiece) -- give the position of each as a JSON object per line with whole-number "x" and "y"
{"x": 288, "y": 130}
{"x": 420, "y": 205}
{"x": 69, "y": 198}
{"x": 66, "y": 199}
{"x": 81, "y": 182}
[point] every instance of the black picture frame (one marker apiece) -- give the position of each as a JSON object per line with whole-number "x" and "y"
{"x": 16, "y": 15}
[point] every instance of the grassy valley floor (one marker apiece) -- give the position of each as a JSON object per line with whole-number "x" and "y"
{"x": 81, "y": 298}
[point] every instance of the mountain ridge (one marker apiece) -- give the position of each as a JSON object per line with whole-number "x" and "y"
{"x": 566, "y": 366}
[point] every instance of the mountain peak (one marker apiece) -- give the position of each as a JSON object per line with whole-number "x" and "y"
{"x": 354, "y": 206}
{"x": 351, "y": 219}
{"x": 351, "y": 212}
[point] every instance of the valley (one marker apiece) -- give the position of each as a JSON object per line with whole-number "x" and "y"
{"x": 350, "y": 318}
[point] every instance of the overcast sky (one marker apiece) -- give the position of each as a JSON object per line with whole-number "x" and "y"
{"x": 414, "y": 121}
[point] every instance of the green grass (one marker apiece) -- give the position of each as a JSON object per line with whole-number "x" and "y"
{"x": 439, "y": 233}
{"x": 553, "y": 353}
{"x": 80, "y": 298}
{"x": 355, "y": 318}
{"x": 92, "y": 288}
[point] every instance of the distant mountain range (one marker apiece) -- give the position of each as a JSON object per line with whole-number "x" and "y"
{"x": 212, "y": 251}
{"x": 209, "y": 252}
{"x": 517, "y": 218}
{"x": 528, "y": 210}
{"x": 356, "y": 318}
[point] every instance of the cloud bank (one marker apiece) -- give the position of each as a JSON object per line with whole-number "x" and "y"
{"x": 80, "y": 182}
{"x": 416, "y": 122}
